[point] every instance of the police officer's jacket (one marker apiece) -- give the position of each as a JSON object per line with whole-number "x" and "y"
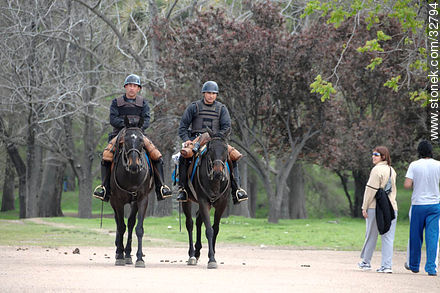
{"x": 199, "y": 116}
{"x": 134, "y": 109}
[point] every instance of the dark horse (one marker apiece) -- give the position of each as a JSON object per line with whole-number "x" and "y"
{"x": 211, "y": 185}
{"x": 131, "y": 182}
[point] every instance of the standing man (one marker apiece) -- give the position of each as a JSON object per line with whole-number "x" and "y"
{"x": 423, "y": 176}
{"x": 198, "y": 116}
{"x": 134, "y": 107}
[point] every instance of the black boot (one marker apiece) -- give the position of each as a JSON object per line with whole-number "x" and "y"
{"x": 183, "y": 180}
{"x": 102, "y": 191}
{"x": 162, "y": 190}
{"x": 238, "y": 194}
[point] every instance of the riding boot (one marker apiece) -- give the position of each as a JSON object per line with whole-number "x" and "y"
{"x": 102, "y": 191}
{"x": 183, "y": 180}
{"x": 162, "y": 190}
{"x": 238, "y": 194}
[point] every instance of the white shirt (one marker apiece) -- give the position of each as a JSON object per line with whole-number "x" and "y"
{"x": 425, "y": 174}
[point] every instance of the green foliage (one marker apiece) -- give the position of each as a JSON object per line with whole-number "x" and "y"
{"x": 322, "y": 87}
{"x": 381, "y": 36}
{"x": 393, "y": 83}
{"x": 374, "y": 62}
{"x": 370, "y": 46}
{"x": 421, "y": 96}
{"x": 406, "y": 12}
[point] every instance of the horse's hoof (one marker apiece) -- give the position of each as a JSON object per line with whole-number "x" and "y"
{"x": 192, "y": 261}
{"x": 128, "y": 261}
{"x": 139, "y": 264}
{"x": 212, "y": 265}
{"x": 120, "y": 262}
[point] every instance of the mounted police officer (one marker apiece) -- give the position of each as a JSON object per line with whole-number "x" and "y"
{"x": 198, "y": 116}
{"x": 134, "y": 107}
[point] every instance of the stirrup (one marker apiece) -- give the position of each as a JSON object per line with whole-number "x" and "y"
{"x": 97, "y": 196}
{"x": 181, "y": 200}
{"x": 165, "y": 195}
{"x": 240, "y": 199}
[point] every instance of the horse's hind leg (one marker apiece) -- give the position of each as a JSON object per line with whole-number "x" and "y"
{"x": 186, "y": 207}
{"x": 198, "y": 245}
{"x": 130, "y": 223}
{"x": 120, "y": 230}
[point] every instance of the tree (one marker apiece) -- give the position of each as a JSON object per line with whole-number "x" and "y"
{"x": 364, "y": 113}
{"x": 274, "y": 115}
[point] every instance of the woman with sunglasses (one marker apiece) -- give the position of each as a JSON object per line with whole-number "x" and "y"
{"x": 379, "y": 176}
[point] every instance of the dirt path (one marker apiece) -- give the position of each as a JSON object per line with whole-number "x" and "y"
{"x": 241, "y": 269}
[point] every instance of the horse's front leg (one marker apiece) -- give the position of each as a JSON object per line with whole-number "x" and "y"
{"x": 220, "y": 208}
{"x": 186, "y": 207}
{"x": 198, "y": 245}
{"x": 120, "y": 230}
{"x": 204, "y": 213}
{"x": 130, "y": 223}
{"x": 143, "y": 204}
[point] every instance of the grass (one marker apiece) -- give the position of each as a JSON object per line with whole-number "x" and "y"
{"x": 328, "y": 232}
{"x": 334, "y": 234}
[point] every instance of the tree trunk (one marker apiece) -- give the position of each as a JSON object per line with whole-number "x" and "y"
{"x": 70, "y": 179}
{"x": 275, "y": 201}
{"x": 344, "y": 182}
{"x": 360, "y": 180}
{"x": 51, "y": 187}
{"x": 85, "y": 179}
{"x": 252, "y": 192}
{"x": 8, "y": 199}
{"x": 20, "y": 167}
{"x": 34, "y": 158}
{"x": 297, "y": 198}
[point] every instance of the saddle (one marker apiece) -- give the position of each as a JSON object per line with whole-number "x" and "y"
{"x": 188, "y": 151}
{"x": 118, "y": 141}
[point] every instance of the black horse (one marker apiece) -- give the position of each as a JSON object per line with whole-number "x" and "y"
{"x": 131, "y": 182}
{"x": 211, "y": 186}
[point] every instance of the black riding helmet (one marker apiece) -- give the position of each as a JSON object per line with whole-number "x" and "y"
{"x": 210, "y": 87}
{"x": 134, "y": 79}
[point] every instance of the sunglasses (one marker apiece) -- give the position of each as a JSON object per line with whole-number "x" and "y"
{"x": 376, "y": 154}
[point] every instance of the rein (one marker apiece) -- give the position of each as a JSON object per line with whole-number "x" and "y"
{"x": 210, "y": 174}
{"x": 132, "y": 193}
{"x": 124, "y": 154}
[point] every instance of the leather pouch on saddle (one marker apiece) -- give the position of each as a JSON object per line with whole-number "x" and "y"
{"x": 234, "y": 155}
{"x": 153, "y": 152}
{"x": 109, "y": 151}
{"x": 197, "y": 143}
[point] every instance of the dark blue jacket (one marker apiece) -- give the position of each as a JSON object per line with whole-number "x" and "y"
{"x": 137, "y": 108}
{"x": 191, "y": 113}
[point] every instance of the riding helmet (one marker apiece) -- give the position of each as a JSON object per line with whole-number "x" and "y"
{"x": 134, "y": 79}
{"x": 210, "y": 87}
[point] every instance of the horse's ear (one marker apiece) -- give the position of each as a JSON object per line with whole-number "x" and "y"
{"x": 211, "y": 134}
{"x": 227, "y": 134}
{"x": 141, "y": 122}
{"x": 126, "y": 121}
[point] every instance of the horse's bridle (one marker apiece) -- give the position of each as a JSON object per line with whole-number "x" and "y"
{"x": 125, "y": 154}
{"x": 210, "y": 169}
{"x": 210, "y": 173}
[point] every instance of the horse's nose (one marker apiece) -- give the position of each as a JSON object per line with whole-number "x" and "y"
{"x": 218, "y": 170}
{"x": 133, "y": 165}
